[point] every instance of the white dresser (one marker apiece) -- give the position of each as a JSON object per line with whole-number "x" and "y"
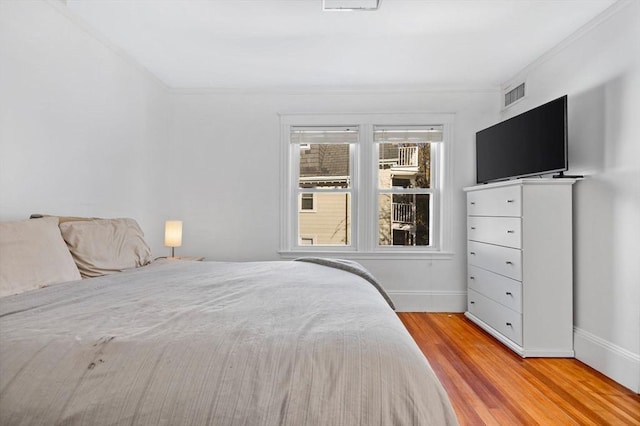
{"x": 520, "y": 272}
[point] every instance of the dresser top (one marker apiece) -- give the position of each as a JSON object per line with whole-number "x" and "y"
{"x": 524, "y": 181}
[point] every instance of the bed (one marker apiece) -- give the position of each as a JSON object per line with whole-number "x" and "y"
{"x": 171, "y": 342}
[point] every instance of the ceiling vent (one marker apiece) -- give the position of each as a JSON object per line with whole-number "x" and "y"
{"x": 513, "y": 95}
{"x": 349, "y": 5}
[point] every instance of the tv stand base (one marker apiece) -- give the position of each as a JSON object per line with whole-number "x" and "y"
{"x": 561, "y": 175}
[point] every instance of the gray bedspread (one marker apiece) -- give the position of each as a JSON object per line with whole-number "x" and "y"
{"x": 354, "y": 268}
{"x": 213, "y": 343}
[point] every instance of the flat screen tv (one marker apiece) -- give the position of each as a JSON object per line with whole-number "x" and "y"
{"x": 532, "y": 143}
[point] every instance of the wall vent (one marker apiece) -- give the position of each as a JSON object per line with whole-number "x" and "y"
{"x": 513, "y": 95}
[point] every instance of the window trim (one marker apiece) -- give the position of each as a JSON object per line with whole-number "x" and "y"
{"x": 294, "y": 160}
{"x": 364, "y": 174}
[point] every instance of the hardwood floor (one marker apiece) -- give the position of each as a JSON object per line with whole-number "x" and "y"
{"x": 489, "y": 384}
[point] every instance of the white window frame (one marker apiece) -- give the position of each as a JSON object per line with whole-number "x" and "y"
{"x": 294, "y": 160}
{"x": 364, "y": 193}
{"x": 433, "y": 192}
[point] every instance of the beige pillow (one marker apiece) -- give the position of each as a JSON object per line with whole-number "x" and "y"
{"x": 105, "y": 246}
{"x": 32, "y": 255}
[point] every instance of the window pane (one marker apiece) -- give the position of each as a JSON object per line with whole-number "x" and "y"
{"x": 306, "y": 201}
{"x": 329, "y": 223}
{"x": 404, "y": 165}
{"x": 324, "y": 165}
{"x": 404, "y": 219}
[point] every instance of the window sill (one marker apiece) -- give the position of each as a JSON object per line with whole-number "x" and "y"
{"x": 381, "y": 254}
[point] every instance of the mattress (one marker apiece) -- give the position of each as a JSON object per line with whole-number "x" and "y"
{"x": 213, "y": 343}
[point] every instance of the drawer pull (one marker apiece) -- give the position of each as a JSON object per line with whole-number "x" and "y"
{"x": 473, "y": 203}
{"x": 508, "y": 293}
{"x": 472, "y": 277}
{"x": 511, "y": 201}
{"x": 509, "y": 324}
{"x": 472, "y": 302}
{"x": 508, "y": 262}
{"x": 511, "y": 231}
{"x": 472, "y": 253}
{"x": 473, "y": 228}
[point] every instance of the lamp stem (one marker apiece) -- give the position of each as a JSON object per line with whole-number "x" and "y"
{"x": 172, "y": 252}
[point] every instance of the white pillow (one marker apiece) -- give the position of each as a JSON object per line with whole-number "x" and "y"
{"x": 32, "y": 255}
{"x": 105, "y": 246}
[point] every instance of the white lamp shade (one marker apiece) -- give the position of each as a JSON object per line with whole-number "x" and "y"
{"x": 173, "y": 233}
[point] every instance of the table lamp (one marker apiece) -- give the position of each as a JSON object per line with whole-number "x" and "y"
{"x": 173, "y": 234}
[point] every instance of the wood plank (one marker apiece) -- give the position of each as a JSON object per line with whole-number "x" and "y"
{"x": 489, "y": 384}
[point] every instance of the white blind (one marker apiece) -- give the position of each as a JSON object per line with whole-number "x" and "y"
{"x": 316, "y": 135}
{"x": 406, "y": 134}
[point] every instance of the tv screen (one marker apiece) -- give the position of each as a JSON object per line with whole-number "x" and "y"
{"x": 529, "y": 144}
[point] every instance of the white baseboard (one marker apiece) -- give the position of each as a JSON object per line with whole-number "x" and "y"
{"x": 611, "y": 360}
{"x": 429, "y": 301}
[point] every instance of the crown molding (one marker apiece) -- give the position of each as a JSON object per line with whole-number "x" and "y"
{"x": 61, "y": 7}
{"x": 335, "y": 90}
{"x": 568, "y": 41}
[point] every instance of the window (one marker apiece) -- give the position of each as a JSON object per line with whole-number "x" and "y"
{"x": 407, "y": 165}
{"x": 307, "y": 202}
{"x": 324, "y": 182}
{"x": 370, "y": 184}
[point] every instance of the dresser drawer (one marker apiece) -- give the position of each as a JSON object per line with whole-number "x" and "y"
{"x": 503, "y": 290}
{"x": 504, "y": 320}
{"x": 501, "y": 260}
{"x": 505, "y": 201}
{"x": 504, "y": 231}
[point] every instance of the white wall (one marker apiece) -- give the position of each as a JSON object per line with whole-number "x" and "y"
{"x": 84, "y": 131}
{"x": 224, "y": 184}
{"x": 77, "y": 121}
{"x": 600, "y": 71}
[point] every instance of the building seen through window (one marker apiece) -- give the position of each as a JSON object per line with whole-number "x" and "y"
{"x": 384, "y": 179}
{"x": 325, "y": 214}
{"x": 403, "y": 218}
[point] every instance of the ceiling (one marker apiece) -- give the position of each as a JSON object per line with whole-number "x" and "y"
{"x": 230, "y": 44}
